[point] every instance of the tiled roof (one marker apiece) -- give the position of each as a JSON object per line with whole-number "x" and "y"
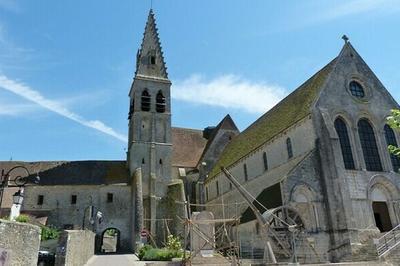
{"x": 287, "y": 112}
{"x": 187, "y": 146}
{"x": 73, "y": 172}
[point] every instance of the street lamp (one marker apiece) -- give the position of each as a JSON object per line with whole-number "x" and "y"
{"x": 18, "y": 197}
{"x": 18, "y": 181}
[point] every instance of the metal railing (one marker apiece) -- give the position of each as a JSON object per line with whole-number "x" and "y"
{"x": 388, "y": 241}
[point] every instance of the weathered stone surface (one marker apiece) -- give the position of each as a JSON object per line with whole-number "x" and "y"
{"x": 75, "y": 248}
{"x": 202, "y": 237}
{"x": 21, "y": 241}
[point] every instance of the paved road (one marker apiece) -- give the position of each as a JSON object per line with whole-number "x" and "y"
{"x": 114, "y": 260}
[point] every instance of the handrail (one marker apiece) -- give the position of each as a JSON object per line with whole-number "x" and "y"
{"x": 388, "y": 241}
{"x": 390, "y": 232}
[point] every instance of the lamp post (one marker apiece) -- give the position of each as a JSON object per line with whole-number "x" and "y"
{"x": 18, "y": 181}
{"x": 95, "y": 215}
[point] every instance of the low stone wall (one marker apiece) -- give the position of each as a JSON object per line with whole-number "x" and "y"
{"x": 19, "y": 243}
{"x": 75, "y": 247}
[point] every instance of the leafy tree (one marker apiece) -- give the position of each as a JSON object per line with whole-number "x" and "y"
{"x": 394, "y": 122}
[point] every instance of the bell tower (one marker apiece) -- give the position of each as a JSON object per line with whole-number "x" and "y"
{"x": 149, "y": 147}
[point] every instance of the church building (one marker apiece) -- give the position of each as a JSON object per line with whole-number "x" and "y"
{"x": 317, "y": 160}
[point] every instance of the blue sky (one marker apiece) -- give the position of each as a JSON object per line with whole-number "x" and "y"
{"x": 66, "y": 66}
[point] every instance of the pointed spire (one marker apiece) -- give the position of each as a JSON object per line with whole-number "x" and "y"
{"x": 149, "y": 59}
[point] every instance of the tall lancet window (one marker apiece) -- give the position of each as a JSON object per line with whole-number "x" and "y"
{"x": 160, "y": 102}
{"x": 345, "y": 145}
{"x": 369, "y": 146}
{"x": 391, "y": 140}
{"x": 146, "y": 100}
{"x": 289, "y": 148}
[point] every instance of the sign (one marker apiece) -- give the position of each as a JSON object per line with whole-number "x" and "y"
{"x": 144, "y": 233}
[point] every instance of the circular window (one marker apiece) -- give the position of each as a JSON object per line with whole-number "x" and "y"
{"x": 356, "y": 89}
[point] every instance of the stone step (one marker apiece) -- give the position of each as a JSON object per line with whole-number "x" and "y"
{"x": 212, "y": 261}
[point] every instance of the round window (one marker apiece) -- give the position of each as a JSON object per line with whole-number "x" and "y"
{"x": 356, "y": 89}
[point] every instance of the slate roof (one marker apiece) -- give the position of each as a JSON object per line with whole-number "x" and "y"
{"x": 73, "y": 172}
{"x": 287, "y": 112}
{"x": 187, "y": 146}
{"x": 151, "y": 41}
{"x": 226, "y": 123}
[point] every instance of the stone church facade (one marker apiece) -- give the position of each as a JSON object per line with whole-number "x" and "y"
{"x": 320, "y": 154}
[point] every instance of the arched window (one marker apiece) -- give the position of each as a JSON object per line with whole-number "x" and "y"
{"x": 289, "y": 148}
{"x": 391, "y": 140}
{"x": 146, "y": 100}
{"x": 369, "y": 146}
{"x": 265, "y": 161}
{"x": 356, "y": 89}
{"x": 341, "y": 130}
{"x": 160, "y": 102}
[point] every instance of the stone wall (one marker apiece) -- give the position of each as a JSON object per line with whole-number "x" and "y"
{"x": 20, "y": 242}
{"x": 62, "y": 213}
{"x": 303, "y": 141}
{"x": 75, "y": 247}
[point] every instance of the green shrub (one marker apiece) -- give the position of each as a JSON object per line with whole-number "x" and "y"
{"x": 111, "y": 232}
{"x": 49, "y": 233}
{"x": 143, "y": 250}
{"x": 173, "y": 243}
{"x": 23, "y": 218}
{"x": 163, "y": 254}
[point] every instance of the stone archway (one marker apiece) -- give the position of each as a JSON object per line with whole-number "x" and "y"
{"x": 380, "y": 209}
{"x": 110, "y": 240}
{"x": 303, "y": 199}
{"x": 383, "y": 197}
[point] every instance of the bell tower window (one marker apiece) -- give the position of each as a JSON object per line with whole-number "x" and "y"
{"x": 152, "y": 60}
{"x": 131, "y": 108}
{"x": 146, "y": 100}
{"x": 160, "y": 102}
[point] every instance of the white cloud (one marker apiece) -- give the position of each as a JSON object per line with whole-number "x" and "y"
{"x": 358, "y": 7}
{"x": 228, "y": 91}
{"x": 55, "y": 106}
{"x": 16, "y": 109}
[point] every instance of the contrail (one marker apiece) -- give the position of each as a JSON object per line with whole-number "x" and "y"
{"x": 54, "y": 106}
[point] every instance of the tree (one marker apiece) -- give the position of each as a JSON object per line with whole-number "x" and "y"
{"x": 394, "y": 122}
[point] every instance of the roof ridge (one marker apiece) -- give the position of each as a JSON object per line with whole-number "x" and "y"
{"x": 187, "y": 128}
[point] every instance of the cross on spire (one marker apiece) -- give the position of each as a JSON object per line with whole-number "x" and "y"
{"x": 345, "y": 38}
